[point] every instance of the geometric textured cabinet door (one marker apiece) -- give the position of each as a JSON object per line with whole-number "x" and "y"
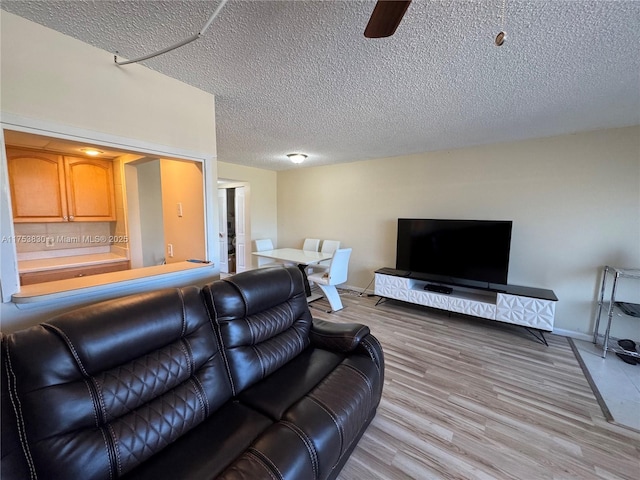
{"x": 525, "y": 311}
{"x": 390, "y": 286}
{"x": 90, "y": 196}
{"x": 475, "y": 309}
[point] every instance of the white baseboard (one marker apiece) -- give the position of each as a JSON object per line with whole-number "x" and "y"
{"x": 368, "y": 291}
{"x": 570, "y": 333}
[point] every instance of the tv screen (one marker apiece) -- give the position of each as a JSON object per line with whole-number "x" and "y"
{"x": 476, "y": 250}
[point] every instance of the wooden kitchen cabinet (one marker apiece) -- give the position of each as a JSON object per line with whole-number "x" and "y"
{"x": 37, "y": 184}
{"x": 46, "y": 187}
{"x": 89, "y": 186}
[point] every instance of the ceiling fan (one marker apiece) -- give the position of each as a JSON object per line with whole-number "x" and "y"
{"x": 387, "y": 15}
{"x": 385, "y": 18}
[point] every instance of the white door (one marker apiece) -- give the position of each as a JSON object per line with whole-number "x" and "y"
{"x": 241, "y": 234}
{"x": 222, "y": 216}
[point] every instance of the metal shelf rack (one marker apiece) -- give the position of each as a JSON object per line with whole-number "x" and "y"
{"x": 611, "y": 306}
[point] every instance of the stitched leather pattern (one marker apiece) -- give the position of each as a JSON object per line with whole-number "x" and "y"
{"x": 16, "y": 429}
{"x": 147, "y": 430}
{"x": 277, "y": 351}
{"x": 249, "y": 466}
{"x": 308, "y": 443}
{"x": 269, "y": 323}
{"x": 252, "y": 362}
{"x": 128, "y": 386}
{"x": 347, "y": 395}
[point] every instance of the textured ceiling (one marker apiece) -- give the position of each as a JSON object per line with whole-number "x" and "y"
{"x": 299, "y": 76}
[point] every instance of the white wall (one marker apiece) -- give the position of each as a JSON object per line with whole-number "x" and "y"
{"x": 75, "y": 90}
{"x": 574, "y": 201}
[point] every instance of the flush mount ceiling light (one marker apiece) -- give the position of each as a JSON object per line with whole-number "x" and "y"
{"x": 91, "y": 151}
{"x": 297, "y": 157}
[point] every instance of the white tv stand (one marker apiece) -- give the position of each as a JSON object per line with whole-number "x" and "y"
{"x": 531, "y": 308}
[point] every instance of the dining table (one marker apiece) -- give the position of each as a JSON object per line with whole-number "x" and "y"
{"x": 299, "y": 257}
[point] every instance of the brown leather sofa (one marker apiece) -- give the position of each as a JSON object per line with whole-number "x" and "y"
{"x": 234, "y": 381}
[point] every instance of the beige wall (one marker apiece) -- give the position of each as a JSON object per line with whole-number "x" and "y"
{"x": 50, "y": 76}
{"x": 574, "y": 201}
{"x": 182, "y": 183}
{"x": 52, "y": 80}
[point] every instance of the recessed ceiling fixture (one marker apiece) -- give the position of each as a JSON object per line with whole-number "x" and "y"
{"x": 297, "y": 157}
{"x": 91, "y": 151}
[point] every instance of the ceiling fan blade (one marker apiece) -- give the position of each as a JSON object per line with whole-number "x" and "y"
{"x": 385, "y": 18}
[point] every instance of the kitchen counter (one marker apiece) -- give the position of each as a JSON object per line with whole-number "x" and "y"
{"x": 115, "y": 282}
{"x": 56, "y": 263}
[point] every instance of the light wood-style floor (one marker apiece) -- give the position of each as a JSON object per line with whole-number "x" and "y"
{"x": 466, "y": 398}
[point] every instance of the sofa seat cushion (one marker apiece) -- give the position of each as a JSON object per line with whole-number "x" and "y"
{"x": 205, "y": 451}
{"x": 281, "y": 452}
{"x": 333, "y": 414}
{"x": 315, "y": 433}
{"x": 277, "y": 392}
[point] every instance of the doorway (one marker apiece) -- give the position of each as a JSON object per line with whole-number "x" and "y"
{"x": 234, "y": 227}
{"x": 231, "y": 229}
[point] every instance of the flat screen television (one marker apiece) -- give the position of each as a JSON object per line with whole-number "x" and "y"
{"x": 465, "y": 252}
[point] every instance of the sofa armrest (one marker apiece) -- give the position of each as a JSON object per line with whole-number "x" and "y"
{"x": 342, "y": 337}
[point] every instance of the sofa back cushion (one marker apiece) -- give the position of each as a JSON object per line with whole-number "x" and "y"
{"x": 100, "y": 389}
{"x": 263, "y": 321}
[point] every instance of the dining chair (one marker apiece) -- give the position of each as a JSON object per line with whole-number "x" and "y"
{"x": 328, "y": 246}
{"x": 263, "y": 245}
{"x": 311, "y": 244}
{"x": 335, "y": 275}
